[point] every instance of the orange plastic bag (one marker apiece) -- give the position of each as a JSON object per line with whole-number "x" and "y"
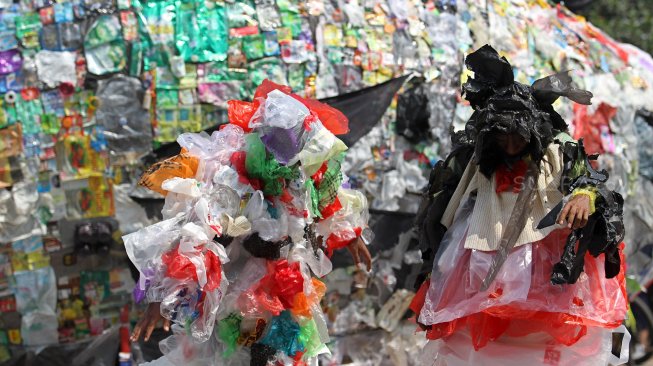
{"x": 302, "y": 304}
{"x": 183, "y": 165}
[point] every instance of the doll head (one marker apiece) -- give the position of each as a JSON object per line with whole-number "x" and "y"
{"x": 511, "y": 119}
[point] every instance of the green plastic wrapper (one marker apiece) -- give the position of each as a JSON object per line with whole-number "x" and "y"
{"x": 314, "y": 206}
{"x": 165, "y": 79}
{"x": 136, "y": 59}
{"x": 296, "y": 76}
{"x": 158, "y": 18}
{"x": 160, "y": 21}
{"x": 167, "y": 98}
{"x": 215, "y": 72}
{"x": 29, "y": 112}
{"x": 268, "y": 68}
{"x": 201, "y": 32}
{"x": 27, "y": 30}
{"x": 144, "y": 43}
{"x": 328, "y": 190}
{"x": 254, "y": 47}
{"x": 50, "y": 123}
{"x": 217, "y": 32}
{"x": 265, "y": 167}
{"x": 228, "y": 333}
{"x": 290, "y": 16}
{"x": 10, "y": 114}
{"x": 104, "y": 47}
{"x": 309, "y": 337}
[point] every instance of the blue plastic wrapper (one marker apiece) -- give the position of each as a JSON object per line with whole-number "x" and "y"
{"x": 283, "y": 334}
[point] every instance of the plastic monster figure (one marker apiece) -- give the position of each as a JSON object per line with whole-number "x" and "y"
{"x": 520, "y": 236}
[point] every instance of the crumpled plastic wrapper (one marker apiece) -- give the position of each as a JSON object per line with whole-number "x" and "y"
{"x": 36, "y": 295}
{"x": 130, "y": 215}
{"x": 126, "y": 124}
{"x": 18, "y": 208}
{"x": 55, "y": 68}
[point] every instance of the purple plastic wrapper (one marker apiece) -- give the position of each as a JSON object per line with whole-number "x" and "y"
{"x": 219, "y": 94}
{"x": 139, "y": 293}
{"x": 283, "y": 143}
{"x": 10, "y": 61}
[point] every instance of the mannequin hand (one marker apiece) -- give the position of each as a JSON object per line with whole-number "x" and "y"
{"x": 357, "y": 248}
{"x": 576, "y": 212}
{"x": 150, "y": 320}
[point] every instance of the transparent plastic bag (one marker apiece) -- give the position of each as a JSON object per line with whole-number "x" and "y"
{"x": 39, "y": 329}
{"x": 219, "y": 146}
{"x": 321, "y": 146}
{"x": 521, "y": 300}
{"x": 318, "y": 262}
{"x": 187, "y": 305}
{"x": 182, "y": 349}
{"x": 251, "y": 272}
{"x": 148, "y": 244}
{"x": 592, "y": 350}
{"x": 126, "y": 124}
{"x": 283, "y": 111}
{"x": 35, "y": 291}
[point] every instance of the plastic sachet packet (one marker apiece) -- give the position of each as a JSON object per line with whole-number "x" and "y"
{"x": 104, "y": 47}
{"x": 10, "y": 61}
{"x": 220, "y": 93}
{"x": 27, "y": 30}
{"x": 253, "y": 47}
{"x": 271, "y": 68}
{"x": 201, "y": 33}
{"x": 241, "y": 19}
{"x": 270, "y": 44}
{"x": 129, "y": 25}
{"x": 268, "y": 16}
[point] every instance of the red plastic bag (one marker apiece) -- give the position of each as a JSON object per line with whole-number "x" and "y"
{"x": 284, "y": 281}
{"x": 341, "y": 239}
{"x": 213, "y": 271}
{"x": 588, "y": 127}
{"x": 241, "y": 112}
{"x": 267, "y": 86}
{"x": 334, "y": 120}
{"x": 180, "y": 267}
{"x": 276, "y": 291}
